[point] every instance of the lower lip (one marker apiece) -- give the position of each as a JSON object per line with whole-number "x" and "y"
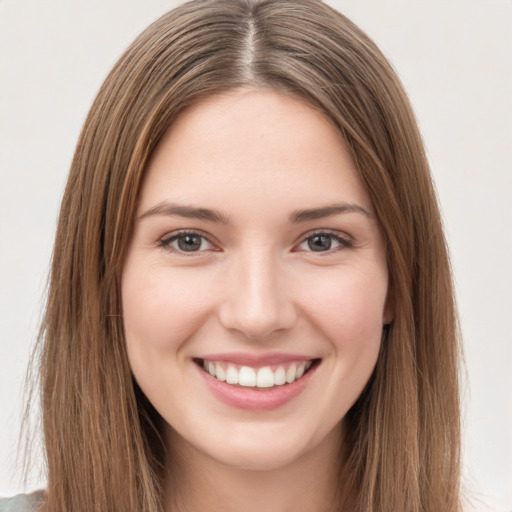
{"x": 251, "y": 399}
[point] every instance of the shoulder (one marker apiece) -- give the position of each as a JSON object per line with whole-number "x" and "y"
{"x": 22, "y": 502}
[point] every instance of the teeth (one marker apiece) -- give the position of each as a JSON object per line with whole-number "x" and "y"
{"x": 290, "y": 374}
{"x": 220, "y": 373}
{"x": 265, "y": 378}
{"x": 232, "y": 375}
{"x": 262, "y": 378}
{"x": 300, "y": 370}
{"x": 280, "y": 376}
{"x": 247, "y": 376}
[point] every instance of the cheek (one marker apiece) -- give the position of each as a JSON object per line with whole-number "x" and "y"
{"x": 161, "y": 309}
{"x": 161, "y": 312}
{"x": 349, "y": 310}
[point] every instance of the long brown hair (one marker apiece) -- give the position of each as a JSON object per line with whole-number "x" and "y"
{"x": 102, "y": 437}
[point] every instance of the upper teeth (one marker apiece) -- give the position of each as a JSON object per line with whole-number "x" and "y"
{"x": 263, "y": 377}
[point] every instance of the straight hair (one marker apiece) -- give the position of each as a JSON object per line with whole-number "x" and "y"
{"x": 103, "y": 438}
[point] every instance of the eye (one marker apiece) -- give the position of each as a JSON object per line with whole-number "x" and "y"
{"x": 323, "y": 242}
{"x": 186, "y": 241}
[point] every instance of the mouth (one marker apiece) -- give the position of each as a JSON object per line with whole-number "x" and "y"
{"x": 257, "y": 378}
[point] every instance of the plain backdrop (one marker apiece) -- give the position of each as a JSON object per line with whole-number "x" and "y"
{"x": 455, "y": 59}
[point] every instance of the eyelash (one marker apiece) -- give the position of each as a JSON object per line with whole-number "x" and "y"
{"x": 166, "y": 241}
{"x": 344, "y": 242}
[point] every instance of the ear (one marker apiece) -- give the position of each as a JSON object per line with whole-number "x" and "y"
{"x": 389, "y": 307}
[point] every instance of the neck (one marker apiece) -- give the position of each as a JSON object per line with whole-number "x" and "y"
{"x": 197, "y": 482}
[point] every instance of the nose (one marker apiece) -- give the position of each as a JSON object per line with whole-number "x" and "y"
{"x": 258, "y": 301}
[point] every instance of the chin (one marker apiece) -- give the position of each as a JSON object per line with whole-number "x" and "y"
{"x": 258, "y": 459}
{"x": 260, "y": 449}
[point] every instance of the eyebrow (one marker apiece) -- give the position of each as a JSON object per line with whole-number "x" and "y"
{"x": 296, "y": 217}
{"x": 189, "y": 212}
{"x": 326, "y": 211}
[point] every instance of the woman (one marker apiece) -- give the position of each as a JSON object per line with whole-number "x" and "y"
{"x": 250, "y": 301}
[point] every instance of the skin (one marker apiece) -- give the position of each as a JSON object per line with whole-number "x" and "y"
{"x": 254, "y": 285}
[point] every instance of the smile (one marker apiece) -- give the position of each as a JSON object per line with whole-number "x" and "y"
{"x": 264, "y": 377}
{"x": 256, "y": 382}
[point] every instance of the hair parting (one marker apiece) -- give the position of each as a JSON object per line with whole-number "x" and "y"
{"x": 103, "y": 438}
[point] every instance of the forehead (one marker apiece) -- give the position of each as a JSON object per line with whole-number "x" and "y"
{"x": 252, "y": 144}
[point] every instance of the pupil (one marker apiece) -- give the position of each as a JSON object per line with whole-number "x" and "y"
{"x": 319, "y": 243}
{"x": 189, "y": 243}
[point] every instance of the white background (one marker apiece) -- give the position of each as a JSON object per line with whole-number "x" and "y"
{"x": 455, "y": 59}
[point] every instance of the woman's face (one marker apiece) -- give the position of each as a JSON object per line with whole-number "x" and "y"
{"x": 254, "y": 289}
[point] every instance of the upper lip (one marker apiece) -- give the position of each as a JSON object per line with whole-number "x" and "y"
{"x": 256, "y": 360}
